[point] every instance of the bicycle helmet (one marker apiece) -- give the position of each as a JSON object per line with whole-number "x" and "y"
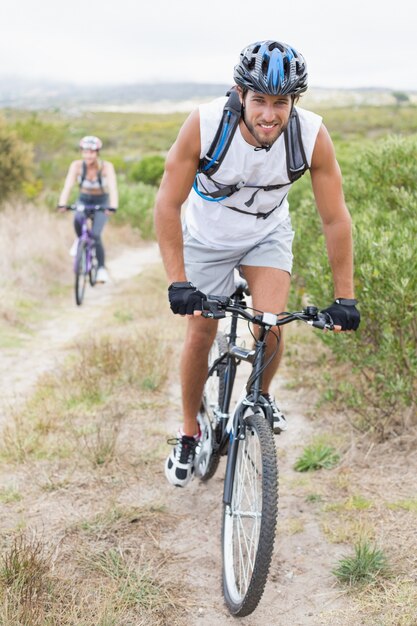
{"x": 273, "y": 68}
{"x": 91, "y": 143}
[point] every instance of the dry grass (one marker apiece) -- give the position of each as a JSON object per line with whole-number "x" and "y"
{"x": 25, "y": 577}
{"x": 34, "y": 261}
{"x": 81, "y": 451}
{"x": 35, "y": 267}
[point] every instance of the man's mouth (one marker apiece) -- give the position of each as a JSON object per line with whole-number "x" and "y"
{"x": 267, "y": 126}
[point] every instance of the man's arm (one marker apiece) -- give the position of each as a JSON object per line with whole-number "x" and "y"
{"x": 180, "y": 170}
{"x": 337, "y": 225}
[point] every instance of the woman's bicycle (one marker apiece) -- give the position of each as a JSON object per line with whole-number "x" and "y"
{"x": 85, "y": 261}
{"x": 250, "y": 496}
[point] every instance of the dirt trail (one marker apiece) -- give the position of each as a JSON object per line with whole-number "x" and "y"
{"x": 21, "y": 367}
{"x": 300, "y": 590}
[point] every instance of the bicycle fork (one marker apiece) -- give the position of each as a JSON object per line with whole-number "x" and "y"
{"x": 236, "y": 427}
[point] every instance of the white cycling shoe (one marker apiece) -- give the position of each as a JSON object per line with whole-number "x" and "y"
{"x": 179, "y": 466}
{"x": 102, "y": 275}
{"x": 74, "y": 248}
{"x": 279, "y": 422}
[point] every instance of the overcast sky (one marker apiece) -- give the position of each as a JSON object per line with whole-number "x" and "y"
{"x": 351, "y": 43}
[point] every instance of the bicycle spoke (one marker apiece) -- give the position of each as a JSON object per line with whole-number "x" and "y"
{"x": 246, "y": 507}
{"x": 207, "y": 459}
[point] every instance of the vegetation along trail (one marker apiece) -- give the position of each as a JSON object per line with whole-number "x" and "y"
{"x": 20, "y": 367}
{"x": 300, "y": 589}
{"x": 91, "y": 534}
{"x": 82, "y": 483}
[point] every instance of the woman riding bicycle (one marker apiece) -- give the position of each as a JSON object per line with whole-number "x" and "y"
{"x": 97, "y": 186}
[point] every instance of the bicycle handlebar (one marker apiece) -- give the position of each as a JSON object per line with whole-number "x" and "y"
{"x": 85, "y": 207}
{"x": 216, "y": 307}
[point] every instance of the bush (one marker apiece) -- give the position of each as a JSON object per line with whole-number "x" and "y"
{"x": 136, "y": 204}
{"x": 15, "y": 162}
{"x": 381, "y": 192}
{"x": 149, "y": 170}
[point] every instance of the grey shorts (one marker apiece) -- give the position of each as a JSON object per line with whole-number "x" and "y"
{"x": 212, "y": 271}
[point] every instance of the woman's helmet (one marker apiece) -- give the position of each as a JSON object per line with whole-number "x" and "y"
{"x": 91, "y": 143}
{"x": 273, "y": 68}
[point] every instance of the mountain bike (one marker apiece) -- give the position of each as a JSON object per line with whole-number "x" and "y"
{"x": 250, "y": 495}
{"x": 85, "y": 261}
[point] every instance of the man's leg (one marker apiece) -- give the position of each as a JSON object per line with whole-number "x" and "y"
{"x": 199, "y": 338}
{"x": 269, "y": 288}
{"x": 179, "y": 466}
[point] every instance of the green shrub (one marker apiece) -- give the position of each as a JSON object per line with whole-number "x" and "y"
{"x": 381, "y": 192}
{"x": 365, "y": 566}
{"x": 136, "y": 202}
{"x": 15, "y": 162}
{"x": 149, "y": 170}
{"x": 317, "y": 456}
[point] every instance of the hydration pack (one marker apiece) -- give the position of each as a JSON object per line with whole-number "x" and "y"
{"x": 296, "y": 159}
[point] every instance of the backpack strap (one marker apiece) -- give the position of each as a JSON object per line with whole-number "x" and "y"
{"x": 99, "y": 175}
{"x": 232, "y": 112}
{"x": 83, "y": 173}
{"x": 297, "y": 163}
{"x": 296, "y": 158}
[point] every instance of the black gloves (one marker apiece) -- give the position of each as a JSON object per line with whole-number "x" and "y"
{"x": 184, "y": 298}
{"x": 344, "y": 313}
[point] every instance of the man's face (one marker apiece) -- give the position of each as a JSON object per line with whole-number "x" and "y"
{"x": 266, "y": 116}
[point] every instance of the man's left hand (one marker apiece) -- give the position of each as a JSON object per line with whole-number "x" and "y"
{"x": 344, "y": 314}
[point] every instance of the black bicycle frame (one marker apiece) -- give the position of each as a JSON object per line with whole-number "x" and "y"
{"x": 253, "y": 392}
{"x": 215, "y": 309}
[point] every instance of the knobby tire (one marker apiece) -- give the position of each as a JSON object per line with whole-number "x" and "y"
{"x": 248, "y": 530}
{"x": 80, "y": 273}
{"x": 94, "y": 267}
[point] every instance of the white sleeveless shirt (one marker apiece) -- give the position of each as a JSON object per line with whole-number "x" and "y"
{"x": 213, "y": 223}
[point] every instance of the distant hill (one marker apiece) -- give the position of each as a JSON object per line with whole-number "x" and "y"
{"x": 19, "y": 93}
{"x": 157, "y": 97}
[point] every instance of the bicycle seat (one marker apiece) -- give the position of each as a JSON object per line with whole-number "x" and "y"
{"x": 241, "y": 287}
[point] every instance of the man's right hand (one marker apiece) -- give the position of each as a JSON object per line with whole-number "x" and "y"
{"x": 184, "y": 298}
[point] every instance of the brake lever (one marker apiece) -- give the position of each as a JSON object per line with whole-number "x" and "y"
{"x": 323, "y": 321}
{"x": 210, "y": 309}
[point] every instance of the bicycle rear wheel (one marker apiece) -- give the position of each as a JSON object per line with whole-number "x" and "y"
{"x": 208, "y": 459}
{"x": 249, "y": 522}
{"x": 80, "y": 272}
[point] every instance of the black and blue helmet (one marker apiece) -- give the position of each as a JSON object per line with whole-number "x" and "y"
{"x": 272, "y": 68}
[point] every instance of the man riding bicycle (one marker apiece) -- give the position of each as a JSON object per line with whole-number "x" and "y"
{"x": 238, "y": 217}
{"x": 97, "y": 186}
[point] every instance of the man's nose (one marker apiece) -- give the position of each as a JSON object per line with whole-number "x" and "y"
{"x": 269, "y": 113}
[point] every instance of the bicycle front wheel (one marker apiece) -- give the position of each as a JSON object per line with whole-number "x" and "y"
{"x": 80, "y": 272}
{"x": 249, "y": 522}
{"x": 207, "y": 459}
{"x": 94, "y": 267}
